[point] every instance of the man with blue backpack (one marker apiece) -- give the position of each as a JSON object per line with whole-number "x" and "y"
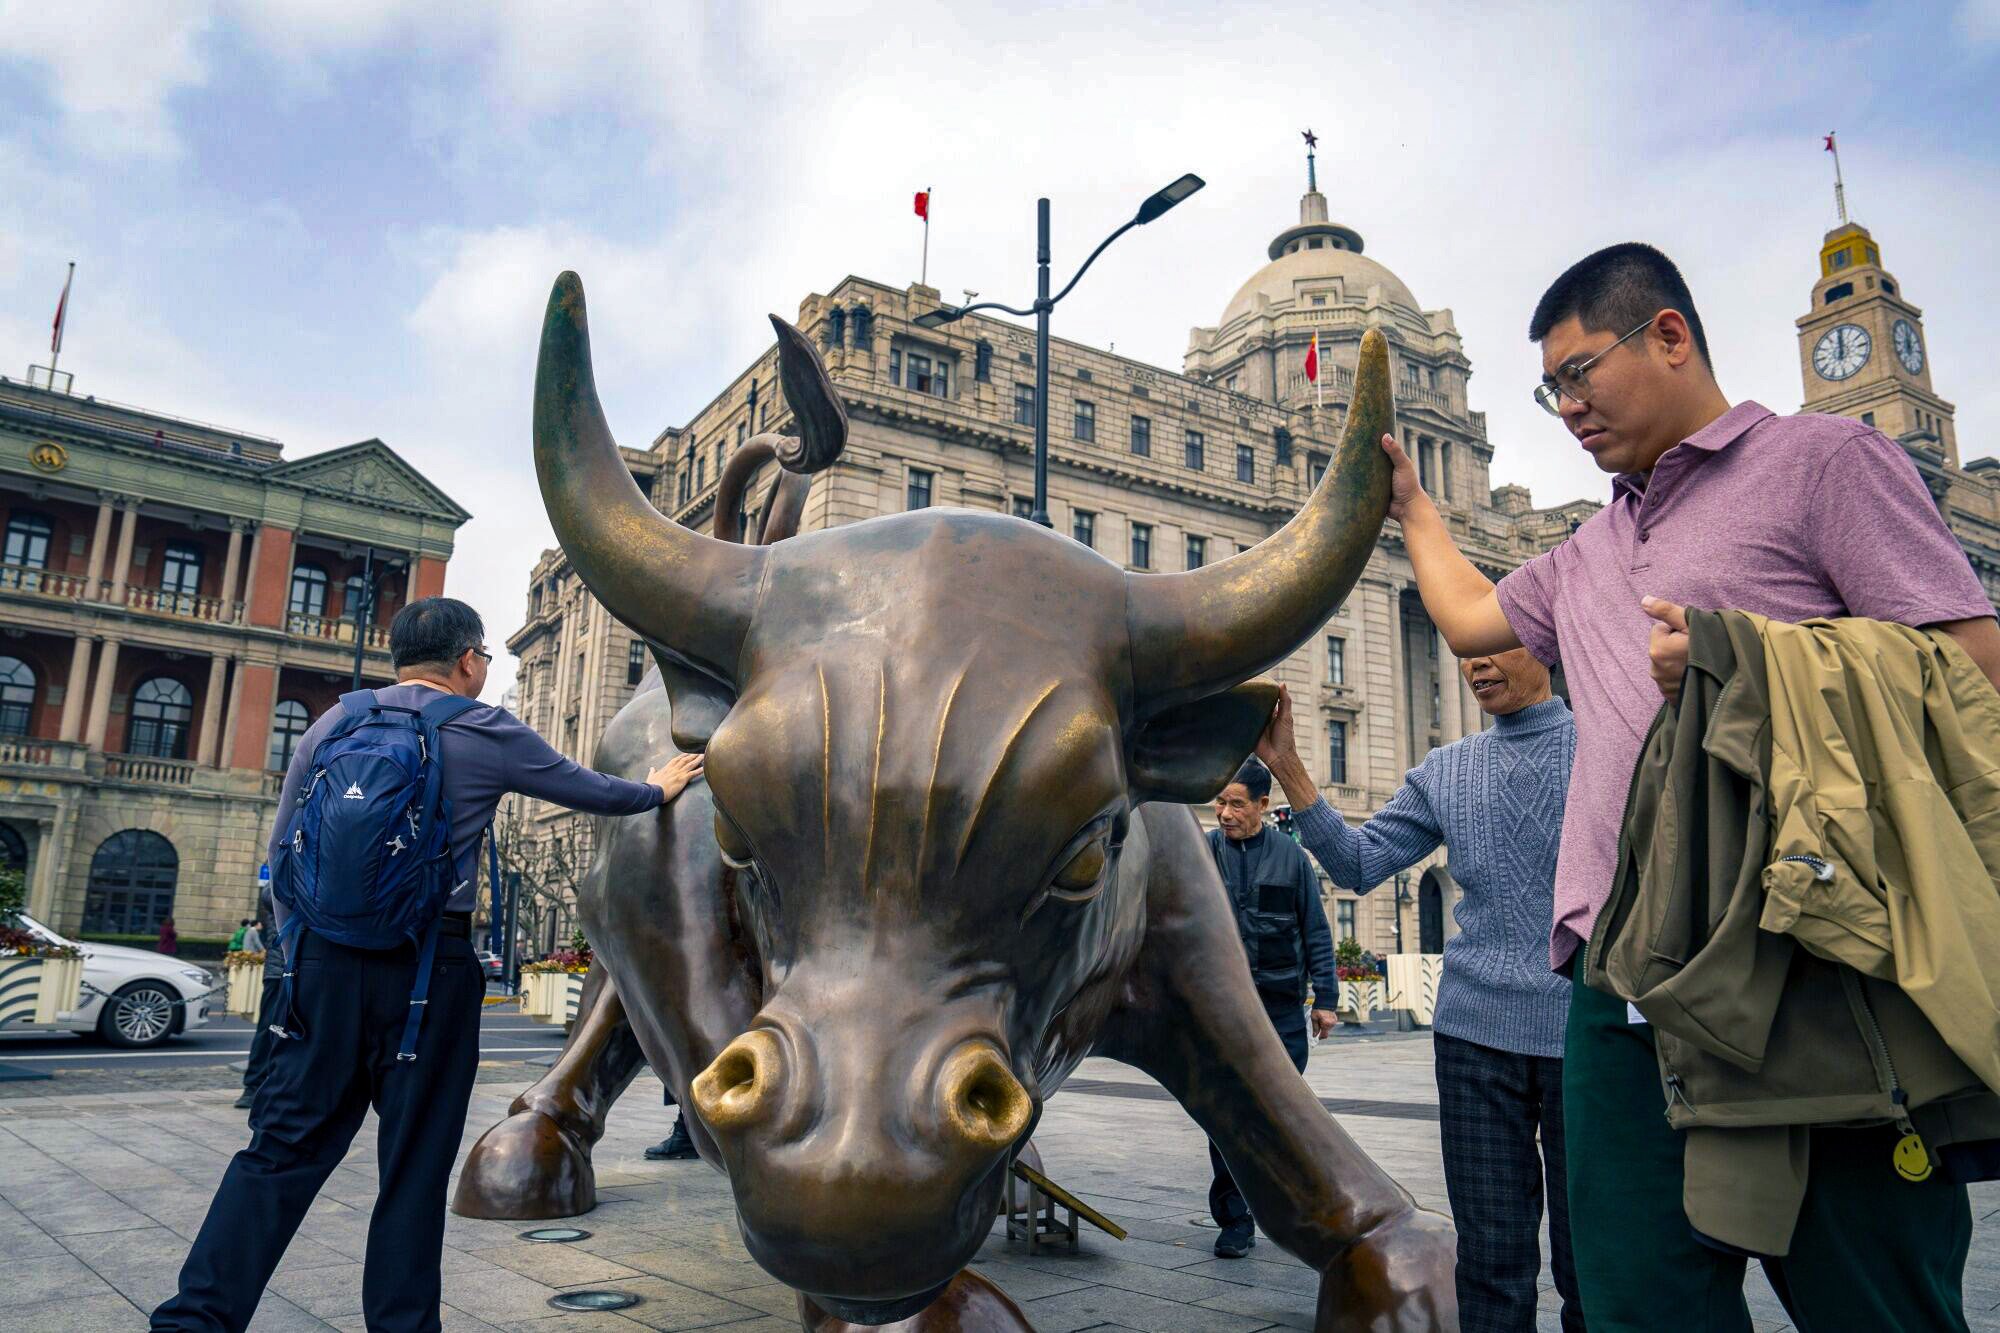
{"x": 373, "y": 866}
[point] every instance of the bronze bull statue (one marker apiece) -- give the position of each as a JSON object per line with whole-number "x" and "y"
{"x": 941, "y": 855}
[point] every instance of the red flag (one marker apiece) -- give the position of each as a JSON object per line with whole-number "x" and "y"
{"x": 62, "y": 309}
{"x": 1829, "y": 143}
{"x": 924, "y": 204}
{"x": 1312, "y": 360}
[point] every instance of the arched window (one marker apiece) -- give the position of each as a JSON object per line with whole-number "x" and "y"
{"x": 308, "y": 595}
{"x": 351, "y": 594}
{"x": 13, "y": 849}
{"x": 161, "y": 710}
{"x": 180, "y": 569}
{"x": 131, "y": 884}
{"x": 288, "y": 723}
{"x": 28, "y": 541}
{"x": 17, "y": 696}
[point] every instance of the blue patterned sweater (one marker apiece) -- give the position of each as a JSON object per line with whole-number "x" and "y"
{"x": 1495, "y": 799}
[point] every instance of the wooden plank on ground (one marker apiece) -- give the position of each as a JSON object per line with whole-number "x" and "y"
{"x": 1068, "y": 1200}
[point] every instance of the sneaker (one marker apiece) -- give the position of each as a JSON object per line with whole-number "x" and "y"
{"x": 1235, "y": 1242}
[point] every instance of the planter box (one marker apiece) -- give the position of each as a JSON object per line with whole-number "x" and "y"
{"x": 535, "y": 997}
{"x": 1358, "y": 999}
{"x": 561, "y": 993}
{"x": 38, "y": 990}
{"x": 246, "y": 991}
{"x": 1413, "y": 983}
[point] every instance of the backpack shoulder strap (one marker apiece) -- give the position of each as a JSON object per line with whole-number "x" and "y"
{"x": 446, "y": 707}
{"x": 358, "y": 702}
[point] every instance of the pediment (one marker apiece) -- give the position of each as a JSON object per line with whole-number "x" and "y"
{"x": 370, "y": 471}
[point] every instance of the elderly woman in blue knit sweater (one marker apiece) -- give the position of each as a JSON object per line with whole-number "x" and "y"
{"x": 1495, "y": 799}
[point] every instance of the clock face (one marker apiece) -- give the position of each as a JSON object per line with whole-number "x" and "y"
{"x": 1841, "y": 350}
{"x": 1909, "y": 347}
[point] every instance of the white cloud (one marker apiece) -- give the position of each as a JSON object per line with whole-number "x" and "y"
{"x": 111, "y": 67}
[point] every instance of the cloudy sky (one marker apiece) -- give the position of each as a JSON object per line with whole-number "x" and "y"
{"x": 334, "y": 219}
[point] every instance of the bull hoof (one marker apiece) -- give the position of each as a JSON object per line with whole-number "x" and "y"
{"x": 969, "y": 1304}
{"x": 526, "y": 1167}
{"x": 1398, "y": 1278}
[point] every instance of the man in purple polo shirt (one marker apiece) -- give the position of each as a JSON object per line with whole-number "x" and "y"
{"x": 1722, "y": 507}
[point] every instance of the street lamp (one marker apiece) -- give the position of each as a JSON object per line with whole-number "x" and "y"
{"x": 1402, "y": 898}
{"x": 1155, "y": 205}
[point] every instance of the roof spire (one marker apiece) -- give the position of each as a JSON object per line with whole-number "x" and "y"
{"x": 1312, "y": 173}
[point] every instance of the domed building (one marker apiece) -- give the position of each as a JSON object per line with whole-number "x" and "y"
{"x": 1155, "y": 469}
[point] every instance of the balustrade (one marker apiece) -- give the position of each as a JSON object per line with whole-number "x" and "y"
{"x": 30, "y": 751}
{"x": 183, "y": 605}
{"x": 50, "y": 583}
{"x": 334, "y": 630}
{"x": 138, "y": 768}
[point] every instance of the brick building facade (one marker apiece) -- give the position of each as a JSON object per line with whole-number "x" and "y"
{"x": 177, "y": 602}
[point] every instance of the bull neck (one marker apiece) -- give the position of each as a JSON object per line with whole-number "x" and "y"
{"x": 1548, "y": 713}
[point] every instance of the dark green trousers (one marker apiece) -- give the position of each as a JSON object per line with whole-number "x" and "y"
{"x": 1872, "y": 1250}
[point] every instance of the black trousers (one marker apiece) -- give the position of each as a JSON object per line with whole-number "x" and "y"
{"x": 1226, "y": 1203}
{"x": 1492, "y": 1107}
{"x": 352, "y": 1004}
{"x": 263, "y": 1039}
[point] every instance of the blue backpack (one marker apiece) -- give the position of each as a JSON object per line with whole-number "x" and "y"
{"x": 366, "y": 857}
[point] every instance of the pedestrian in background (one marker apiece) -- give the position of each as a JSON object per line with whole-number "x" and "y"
{"x": 170, "y": 940}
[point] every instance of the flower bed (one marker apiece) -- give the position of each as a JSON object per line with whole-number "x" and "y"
{"x": 552, "y": 987}
{"x": 246, "y": 984}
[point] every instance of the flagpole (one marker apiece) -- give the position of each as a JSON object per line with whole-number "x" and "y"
{"x": 924, "y": 275}
{"x": 62, "y": 316}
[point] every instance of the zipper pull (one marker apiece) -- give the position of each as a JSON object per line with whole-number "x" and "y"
{"x": 1677, "y": 1092}
{"x": 1911, "y": 1158}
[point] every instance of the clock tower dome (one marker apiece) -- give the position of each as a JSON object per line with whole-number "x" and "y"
{"x": 1862, "y": 354}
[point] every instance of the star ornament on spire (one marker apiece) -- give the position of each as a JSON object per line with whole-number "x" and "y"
{"x": 1312, "y": 140}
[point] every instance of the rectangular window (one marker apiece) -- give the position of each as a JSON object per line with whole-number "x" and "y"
{"x": 1024, "y": 404}
{"x": 1197, "y": 551}
{"x": 1024, "y": 506}
{"x": 742, "y": 431}
{"x": 917, "y": 494}
{"x": 635, "y": 664}
{"x": 1083, "y": 374}
{"x": 1194, "y": 449}
{"x": 1142, "y": 436}
{"x": 1086, "y": 421}
{"x": 1336, "y": 753}
{"x": 1142, "y": 546}
{"x": 1336, "y": 660}
{"x": 926, "y": 376}
{"x": 1246, "y": 463}
{"x": 1867, "y": 418}
{"x": 1343, "y": 908}
{"x": 701, "y": 471}
{"x": 1315, "y": 468}
{"x": 982, "y": 363}
{"x": 896, "y": 366}
{"x": 1083, "y": 527}
{"x": 1281, "y": 441}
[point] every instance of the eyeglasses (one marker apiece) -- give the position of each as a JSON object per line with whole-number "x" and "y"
{"x": 1572, "y": 381}
{"x": 482, "y": 654}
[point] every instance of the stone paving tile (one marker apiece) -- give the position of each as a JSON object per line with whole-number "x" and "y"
{"x": 1076, "y": 1310}
{"x": 556, "y": 1265}
{"x": 32, "y": 1281}
{"x": 104, "y": 1313}
{"x": 1288, "y": 1309}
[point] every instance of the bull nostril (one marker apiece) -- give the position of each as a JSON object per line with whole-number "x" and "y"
{"x": 984, "y": 1104}
{"x": 741, "y": 1086}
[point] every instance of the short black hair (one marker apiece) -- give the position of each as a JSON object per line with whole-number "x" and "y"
{"x": 434, "y": 631}
{"x": 1256, "y": 779}
{"x": 1615, "y": 290}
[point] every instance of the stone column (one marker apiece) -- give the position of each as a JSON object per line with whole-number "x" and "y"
{"x": 73, "y": 694}
{"x": 211, "y": 712}
{"x": 1450, "y": 726}
{"x": 100, "y": 698}
{"x": 226, "y": 759}
{"x": 231, "y": 563}
{"x": 1400, "y": 689}
{"x": 99, "y": 539}
{"x": 121, "y": 564}
{"x": 42, "y": 883}
{"x": 1475, "y": 716}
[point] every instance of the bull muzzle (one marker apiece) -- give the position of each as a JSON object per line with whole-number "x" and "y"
{"x": 862, "y": 1188}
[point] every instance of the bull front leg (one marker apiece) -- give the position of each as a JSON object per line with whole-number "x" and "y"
{"x": 1191, "y": 1018}
{"x": 536, "y": 1163}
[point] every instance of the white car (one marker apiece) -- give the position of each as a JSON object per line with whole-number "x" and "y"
{"x": 151, "y": 996}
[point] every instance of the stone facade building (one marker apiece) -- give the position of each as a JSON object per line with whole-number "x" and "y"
{"x": 1153, "y": 468}
{"x": 177, "y": 602}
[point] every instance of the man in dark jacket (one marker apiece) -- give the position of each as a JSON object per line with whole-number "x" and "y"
{"x": 1274, "y": 894}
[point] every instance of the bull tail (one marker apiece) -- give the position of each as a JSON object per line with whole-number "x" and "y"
{"x": 822, "y": 435}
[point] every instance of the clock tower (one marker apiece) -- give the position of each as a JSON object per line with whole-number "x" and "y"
{"x": 1862, "y": 354}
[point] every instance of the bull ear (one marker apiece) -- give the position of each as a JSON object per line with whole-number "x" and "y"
{"x": 1190, "y": 752}
{"x": 699, "y": 701}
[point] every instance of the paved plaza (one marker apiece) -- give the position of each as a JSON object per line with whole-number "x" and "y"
{"x": 100, "y": 1192}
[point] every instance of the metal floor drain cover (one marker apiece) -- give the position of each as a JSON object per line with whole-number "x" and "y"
{"x": 594, "y": 1300}
{"x": 555, "y": 1235}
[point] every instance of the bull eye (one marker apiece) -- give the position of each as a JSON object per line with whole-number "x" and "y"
{"x": 736, "y": 853}
{"x": 1082, "y": 877}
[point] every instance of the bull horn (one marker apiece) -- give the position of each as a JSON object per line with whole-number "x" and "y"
{"x": 688, "y": 593}
{"x": 1205, "y": 631}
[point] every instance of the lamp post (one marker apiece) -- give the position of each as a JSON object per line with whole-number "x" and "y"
{"x": 1155, "y": 205}
{"x": 1402, "y": 897}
